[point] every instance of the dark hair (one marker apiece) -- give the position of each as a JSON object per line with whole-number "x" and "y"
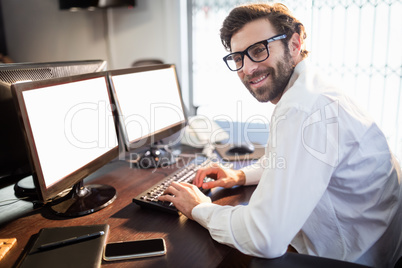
{"x": 278, "y": 15}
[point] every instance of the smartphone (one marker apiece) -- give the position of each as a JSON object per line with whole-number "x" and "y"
{"x": 134, "y": 249}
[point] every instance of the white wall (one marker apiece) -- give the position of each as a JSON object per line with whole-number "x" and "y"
{"x": 151, "y": 30}
{"x": 37, "y": 31}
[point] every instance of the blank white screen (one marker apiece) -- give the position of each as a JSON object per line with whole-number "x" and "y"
{"x": 71, "y": 124}
{"x": 149, "y": 101}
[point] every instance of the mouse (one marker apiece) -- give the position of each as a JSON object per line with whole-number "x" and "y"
{"x": 155, "y": 157}
{"x": 240, "y": 149}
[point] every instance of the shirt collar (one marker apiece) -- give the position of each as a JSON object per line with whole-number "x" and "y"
{"x": 300, "y": 67}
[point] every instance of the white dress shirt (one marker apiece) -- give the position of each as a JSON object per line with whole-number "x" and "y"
{"x": 328, "y": 183}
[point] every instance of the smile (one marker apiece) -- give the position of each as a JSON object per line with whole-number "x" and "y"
{"x": 259, "y": 79}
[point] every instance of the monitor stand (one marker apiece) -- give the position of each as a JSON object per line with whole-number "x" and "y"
{"x": 83, "y": 200}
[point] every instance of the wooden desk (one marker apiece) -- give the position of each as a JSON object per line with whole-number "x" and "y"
{"x": 188, "y": 244}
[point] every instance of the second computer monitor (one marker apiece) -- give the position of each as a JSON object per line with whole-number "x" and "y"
{"x": 149, "y": 104}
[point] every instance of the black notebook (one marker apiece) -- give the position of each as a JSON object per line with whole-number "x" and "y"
{"x": 84, "y": 253}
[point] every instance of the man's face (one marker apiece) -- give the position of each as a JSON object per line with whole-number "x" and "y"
{"x": 265, "y": 80}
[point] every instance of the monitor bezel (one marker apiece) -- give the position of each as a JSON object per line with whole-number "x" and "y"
{"x": 46, "y": 194}
{"x": 151, "y": 138}
{"x": 14, "y": 155}
{"x": 24, "y": 66}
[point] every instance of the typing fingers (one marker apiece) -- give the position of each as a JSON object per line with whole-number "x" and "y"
{"x": 199, "y": 177}
{"x": 210, "y": 171}
{"x": 170, "y": 192}
{"x": 211, "y": 184}
{"x": 173, "y": 188}
{"x": 166, "y": 198}
{"x": 188, "y": 185}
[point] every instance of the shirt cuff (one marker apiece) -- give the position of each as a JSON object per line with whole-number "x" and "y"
{"x": 253, "y": 173}
{"x": 202, "y": 213}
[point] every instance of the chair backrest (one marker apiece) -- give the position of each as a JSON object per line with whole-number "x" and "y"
{"x": 144, "y": 62}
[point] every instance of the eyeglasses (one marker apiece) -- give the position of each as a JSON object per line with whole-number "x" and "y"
{"x": 257, "y": 52}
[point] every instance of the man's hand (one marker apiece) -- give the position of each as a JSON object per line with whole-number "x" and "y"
{"x": 184, "y": 197}
{"x": 224, "y": 177}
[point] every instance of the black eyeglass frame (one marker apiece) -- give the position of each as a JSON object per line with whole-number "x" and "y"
{"x": 245, "y": 52}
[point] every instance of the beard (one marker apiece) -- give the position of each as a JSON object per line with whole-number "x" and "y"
{"x": 279, "y": 75}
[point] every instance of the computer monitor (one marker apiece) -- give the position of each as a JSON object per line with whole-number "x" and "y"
{"x": 14, "y": 163}
{"x": 150, "y": 108}
{"x": 70, "y": 132}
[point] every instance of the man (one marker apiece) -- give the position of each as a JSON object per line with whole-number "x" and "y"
{"x": 338, "y": 194}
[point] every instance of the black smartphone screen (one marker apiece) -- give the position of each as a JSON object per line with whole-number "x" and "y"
{"x": 135, "y": 249}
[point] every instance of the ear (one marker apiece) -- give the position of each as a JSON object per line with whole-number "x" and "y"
{"x": 295, "y": 45}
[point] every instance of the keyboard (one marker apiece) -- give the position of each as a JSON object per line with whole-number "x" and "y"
{"x": 149, "y": 198}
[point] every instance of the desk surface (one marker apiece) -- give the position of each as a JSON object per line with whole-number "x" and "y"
{"x": 188, "y": 244}
{"x": 186, "y": 241}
